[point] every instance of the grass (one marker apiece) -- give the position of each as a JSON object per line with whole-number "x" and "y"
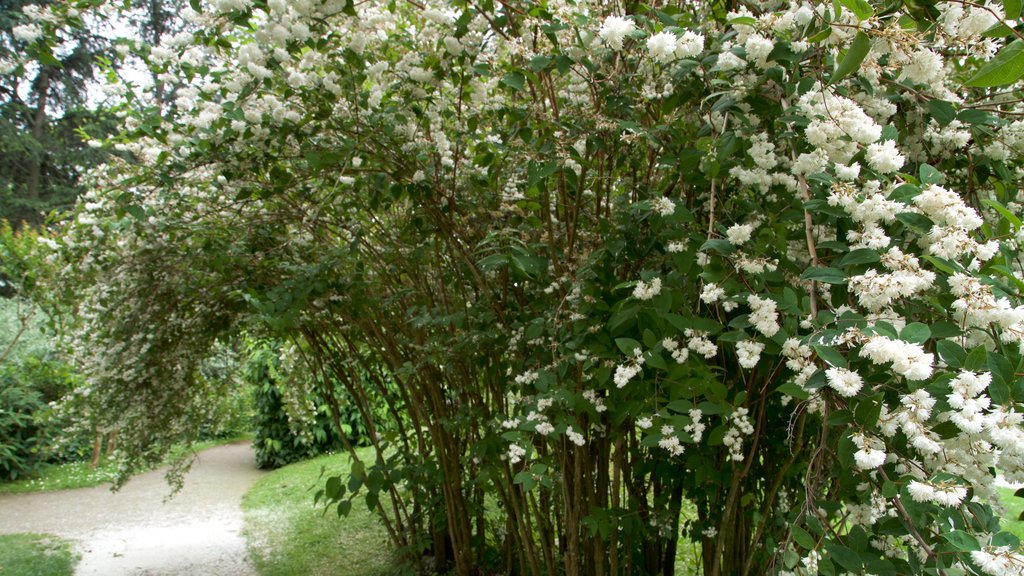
{"x": 289, "y": 536}
{"x": 36, "y": 555}
{"x": 79, "y": 475}
{"x": 1014, "y": 506}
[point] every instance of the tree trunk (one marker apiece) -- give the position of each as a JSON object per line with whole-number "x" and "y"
{"x": 38, "y": 123}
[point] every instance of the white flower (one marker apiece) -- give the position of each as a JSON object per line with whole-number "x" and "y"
{"x": 614, "y": 30}
{"x": 728, "y": 61}
{"x": 647, "y": 290}
{"x": 516, "y": 453}
{"x": 848, "y": 173}
{"x": 942, "y": 495}
{"x": 739, "y": 234}
{"x": 662, "y": 47}
{"x": 575, "y": 437}
{"x": 763, "y": 315}
{"x": 869, "y": 458}
{"x": 885, "y": 157}
{"x": 758, "y": 48}
{"x": 644, "y": 423}
{"x": 711, "y": 293}
{"x": 664, "y": 206}
{"x": 749, "y": 353}
{"x": 689, "y": 45}
{"x": 27, "y": 32}
{"x": 908, "y": 360}
{"x": 845, "y": 382}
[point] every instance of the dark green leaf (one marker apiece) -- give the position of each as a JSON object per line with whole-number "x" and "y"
{"x": 802, "y": 538}
{"x": 858, "y": 50}
{"x": 916, "y": 332}
{"x": 929, "y": 175}
{"x": 846, "y": 558}
{"x": 627, "y": 345}
{"x": 514, "y": 80}
{"x": 1012, "y": 9}
{"x": 831, "y": 356}
{"x": 1006, "y": 68}
{"x": 861, "y": 8}
{"x": 824, "y": 275}
{"x": 942, "y": 111}
{"x": 859, "y": 256}
{"x": 961, "y": 540}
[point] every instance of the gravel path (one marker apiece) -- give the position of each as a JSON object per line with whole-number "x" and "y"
{"x": 134, "y": 532}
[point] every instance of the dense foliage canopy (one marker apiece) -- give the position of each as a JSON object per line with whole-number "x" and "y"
{"x": 594, "y": 261}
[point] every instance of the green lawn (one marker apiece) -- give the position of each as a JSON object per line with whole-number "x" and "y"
{"x": 1014, "y": 506}
{"x": 35, "y": 555}
{"x": 289, "y": 536}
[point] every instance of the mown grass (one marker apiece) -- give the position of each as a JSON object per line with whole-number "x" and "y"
{"x": 36, "y": 555}
{"x": 79, "y": 475}
{"x": 1014, "y": 506}
{"x": 290, "y": 536}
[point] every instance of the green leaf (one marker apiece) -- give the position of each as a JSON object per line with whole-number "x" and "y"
{"x": 858, "y": 50}
{"x": 802, "y": 538}
{"x": 961, "y": 540}
{"x": 861, "y": 8}
{"x": 916, "y": 332}
{"x": 1010, "y": 216}
{"x": 824, "y": 275}
{"x": 514, "y": 80}
{"x": 830, "y": 356}
{"x": 1012, "y": 9}
{"x": 195, "y": 6}
{"x": 723, "y": 247}
{"x": 1006, "y": 68}
{"x": 929, "y": 175}
{"x": 538, "y": 63}
{"x": 792, "y": 389}
{"x": 846, "y": 558}
{"x": 859, "y": 256}
{"x": 627, "y": 345}
{"x": 942, "y": 111}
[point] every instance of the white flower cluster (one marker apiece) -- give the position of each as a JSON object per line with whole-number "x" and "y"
{"x": 908, "y": 359}
{"x": 739, "y": 427}
{"x": 941, "y": 494}
{"x": 977, "y": 307}
{"x": 869, "y": 209}
{"x": 575, "y": 437}
{"x": 999, "y": 561}
{"x": 595, "y": 400}
{"x": 968, "y": 402}
{"x": 838, "y": 126}
{"x": 875, "y": 290}
{"x": 739, "y": 234}
{"x": 871, "y": 453}
{"x": 670, "y": 442}
{"x": 626, "y": 372}
{"x": 516, "y": 453}
{"x": 680, "y": 355}
{"x": 844, "y": 381}
{"x": 749, "y": 353}
{"x": 763, "y": 315}
{"x": 647, "y": 290}
{"x": 695, "y": 428}
{"x": 700, "y": 343}
{"x": 950, "y": 238}
{"x": 711, "y": 293}
{"x": 614, "y": 30}
{"x": 799, "y": 359}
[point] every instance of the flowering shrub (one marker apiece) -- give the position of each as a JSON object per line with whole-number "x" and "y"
{"x": 766, "y": 262}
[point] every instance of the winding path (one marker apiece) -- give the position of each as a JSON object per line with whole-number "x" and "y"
{"x": 134, "y": 532}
